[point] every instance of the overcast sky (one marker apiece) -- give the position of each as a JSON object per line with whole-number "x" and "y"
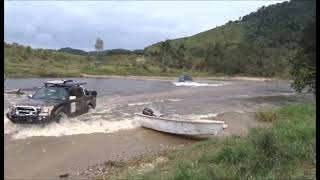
{"x": 121, "y": 24}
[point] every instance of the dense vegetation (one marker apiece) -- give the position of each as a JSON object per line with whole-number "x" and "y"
{"x": 21, "y": 61}
{"x": 25, "y": 61}
{"x": 304, "y": 63}
{"x": 259, "y": 44}
{"x": 285, "y": 150}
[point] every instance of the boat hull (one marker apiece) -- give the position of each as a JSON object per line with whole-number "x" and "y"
{"x": 183, "y": 127}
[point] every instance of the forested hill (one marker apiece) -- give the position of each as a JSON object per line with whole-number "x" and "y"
{"x": 260, "y": 43}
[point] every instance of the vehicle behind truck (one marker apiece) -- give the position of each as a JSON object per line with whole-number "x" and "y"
{"x": 54, "y": 101}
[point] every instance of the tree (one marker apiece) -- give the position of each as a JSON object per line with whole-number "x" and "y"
{"x": 99, "y": 46}
{"x": 214, "y": 58}
{"x": 164, "y": 49}
{"x": 28, "y": 49}
{"x": 304, "y": 63}
{"x": 181, "y": 55}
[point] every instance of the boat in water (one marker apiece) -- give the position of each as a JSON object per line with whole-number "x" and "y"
{"x": 180, "y": 126}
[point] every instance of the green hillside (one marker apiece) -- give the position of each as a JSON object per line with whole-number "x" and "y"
{"x": 260, "y": 43}
{"x": 25, "y": 61}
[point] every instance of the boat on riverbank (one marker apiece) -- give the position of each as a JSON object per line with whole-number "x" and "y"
{"x": 181, "y": 126}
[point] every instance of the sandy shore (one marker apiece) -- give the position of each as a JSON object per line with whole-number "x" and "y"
{"x": 53, "y": 156}
{"x": 73, "y": 155}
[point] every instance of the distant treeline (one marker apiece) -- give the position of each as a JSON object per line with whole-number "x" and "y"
{"x": 85, "y": 53}
{"x": 102, "y": 53}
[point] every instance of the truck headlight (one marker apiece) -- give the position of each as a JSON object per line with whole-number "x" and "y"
{"x": 45, "y": 111}
{"x": 224, "y": 126}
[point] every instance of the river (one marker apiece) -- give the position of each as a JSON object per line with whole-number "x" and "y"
{"x": 111, "y": 132}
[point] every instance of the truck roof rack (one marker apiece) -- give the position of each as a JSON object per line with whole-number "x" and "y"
{"x": 64, "y": 83}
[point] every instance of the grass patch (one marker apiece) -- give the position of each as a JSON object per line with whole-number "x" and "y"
{"x": 266, "y": 116}
{"x": 284, "y": 150}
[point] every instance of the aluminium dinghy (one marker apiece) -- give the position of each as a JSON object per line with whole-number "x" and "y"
{"x": 175, "y": 125}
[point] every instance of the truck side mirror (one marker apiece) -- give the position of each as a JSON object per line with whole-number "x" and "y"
{"x": 72, "y": 97}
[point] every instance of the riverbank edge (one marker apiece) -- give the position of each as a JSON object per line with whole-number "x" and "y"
{"x": 206, "y": 152}
{"x": 161, "y": 78}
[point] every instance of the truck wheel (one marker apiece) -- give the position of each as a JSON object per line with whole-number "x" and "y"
{"x": 148, "y": 111}
{"x": 61, "y": 116}
{"x": 89, "y": 108}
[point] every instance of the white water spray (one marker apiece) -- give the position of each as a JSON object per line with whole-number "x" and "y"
{"x": 195, "y": 84}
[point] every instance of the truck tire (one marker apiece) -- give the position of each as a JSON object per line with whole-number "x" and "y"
{"x": 89, "y": 108}
{"x": 61, "y": 116}
{"x": 147, "y": 111}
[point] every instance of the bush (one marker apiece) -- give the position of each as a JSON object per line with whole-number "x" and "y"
{"x": 274, "y": 151}
{"x": 188, "y": 170}
{"x": 163, "y": 69}
{"x": 266, "y": 116}
{"x": 146, "y": 68}
{"x": 231, "y": 155}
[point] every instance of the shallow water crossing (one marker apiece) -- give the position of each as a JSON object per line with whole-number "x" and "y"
{"x": 111, "y": 132}
{"x": 187, "y": 100}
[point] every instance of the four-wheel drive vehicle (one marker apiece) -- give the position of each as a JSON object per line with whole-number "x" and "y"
{"x": 185, "y": 78}
{"x": 52, "y": 102}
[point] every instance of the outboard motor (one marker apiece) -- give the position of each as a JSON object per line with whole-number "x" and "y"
{"x": 148, "y": 112}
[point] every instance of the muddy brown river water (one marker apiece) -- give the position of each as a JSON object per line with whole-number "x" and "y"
{"x": 110, "y": 132}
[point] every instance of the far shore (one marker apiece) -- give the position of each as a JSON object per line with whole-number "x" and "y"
{"x": 246, "y": 78}
{"x": 164, "y": 78}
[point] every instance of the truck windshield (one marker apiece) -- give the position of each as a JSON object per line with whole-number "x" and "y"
{"x": 52, "y": 93}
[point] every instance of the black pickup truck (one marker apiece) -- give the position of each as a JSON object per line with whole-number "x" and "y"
{"x": 53, "y": 102}
{"x": 185, "y": 78}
